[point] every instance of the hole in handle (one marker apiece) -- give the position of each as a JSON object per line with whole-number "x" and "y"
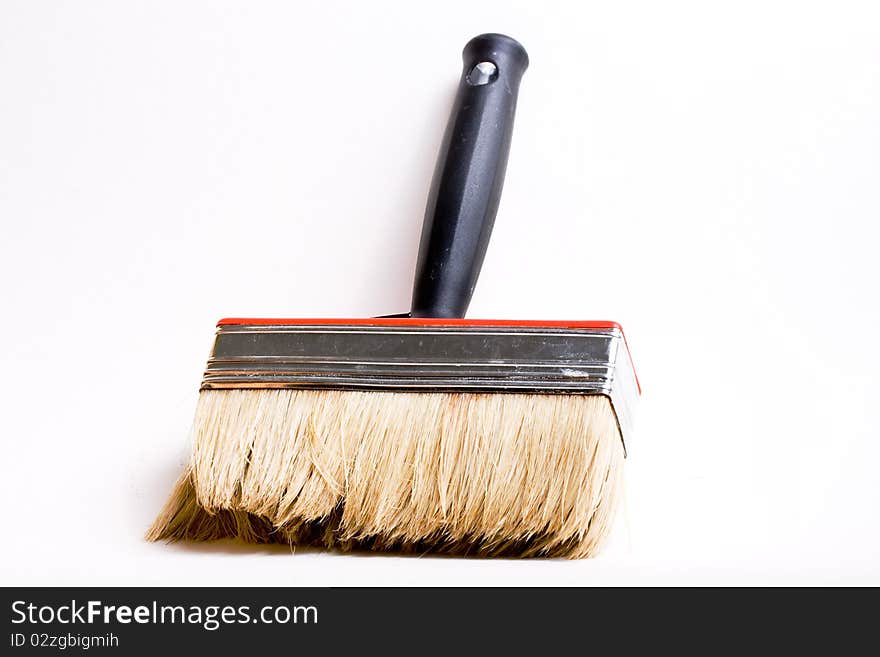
{"x": 482, "y": 73}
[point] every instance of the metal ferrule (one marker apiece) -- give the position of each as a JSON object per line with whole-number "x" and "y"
{"x": 486, "y": 359}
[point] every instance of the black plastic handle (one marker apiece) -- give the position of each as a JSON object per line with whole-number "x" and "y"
{"x": 468, "y": 178}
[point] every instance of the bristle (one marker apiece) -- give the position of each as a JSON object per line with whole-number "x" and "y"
{"x": 482, "y": 474}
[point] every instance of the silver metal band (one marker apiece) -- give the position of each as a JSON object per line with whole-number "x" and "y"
{"x": 590, "y": 361}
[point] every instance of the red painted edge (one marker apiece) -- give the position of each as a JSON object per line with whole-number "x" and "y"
{"x": 416, "y": 321}
{"x": 424, "y": 321}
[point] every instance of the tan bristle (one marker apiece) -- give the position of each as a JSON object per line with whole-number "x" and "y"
{"x": 480, "y": 474}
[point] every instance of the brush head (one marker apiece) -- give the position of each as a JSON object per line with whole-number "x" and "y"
{"x": 474, "y": 474}
{"x": 481, "y": 438}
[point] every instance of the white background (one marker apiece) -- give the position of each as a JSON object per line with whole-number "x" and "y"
{"x": 704, "y": 173}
